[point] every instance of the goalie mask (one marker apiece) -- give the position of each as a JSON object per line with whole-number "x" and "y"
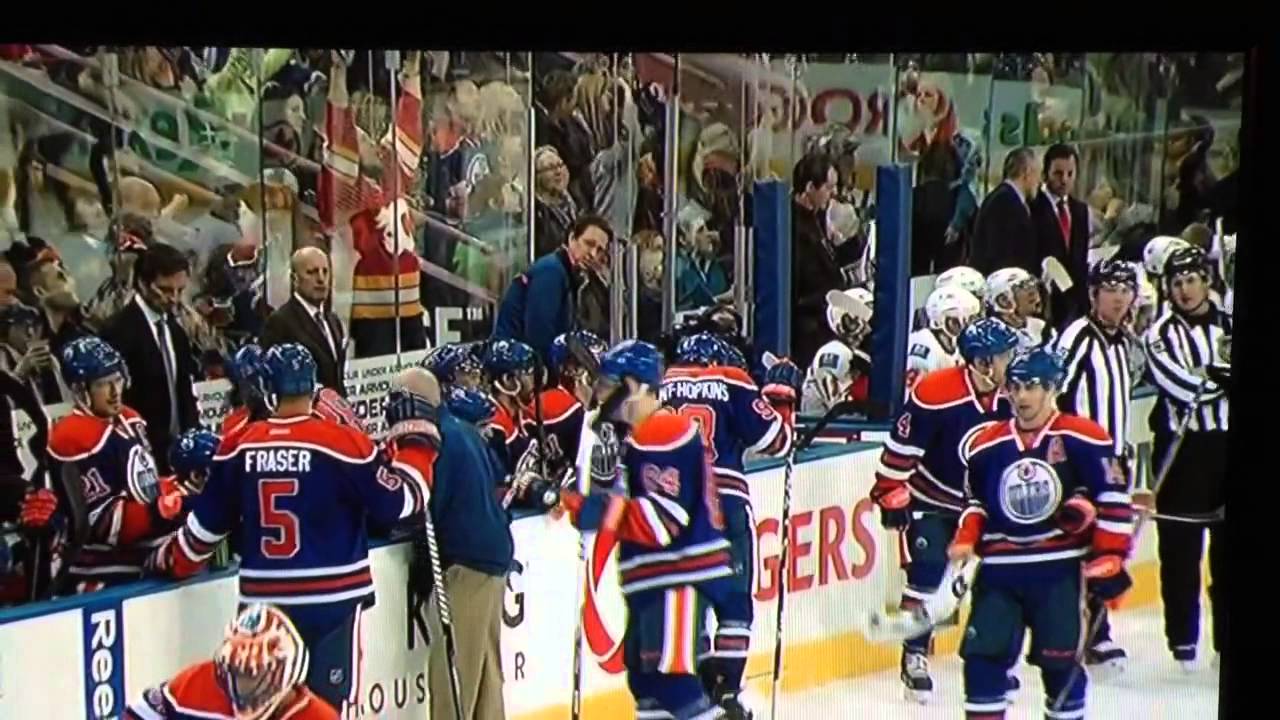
{"x": 846, "y": 326}
{"x": 261, "y": 661}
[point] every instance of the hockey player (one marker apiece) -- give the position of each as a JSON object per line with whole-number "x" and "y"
{"x": 564, "y": 401}
{"x": 919, "y": 479}
{"x": 1045, "y": 499}
{"x": 458, "y": 367}
{"x": 247, "y": 372}
{"x": 257, "y": 674}
{"x": 842, "y": 368}
{"x": 964, "y": 277}
{"x": 950, "y": 310}
{"x": 1013, "y": 295}
{"x": 130, "y": 509}
{"x": 670, "y": 530}
{"x": 302, "y": 490}
{"x": 190, "y": 457}
{"x": 508, "y": 367}
{"x": 734, "y": 417}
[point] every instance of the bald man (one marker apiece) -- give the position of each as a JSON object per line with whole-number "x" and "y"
{"x": 473, "y": 531}
{"x": 307, "y": 319}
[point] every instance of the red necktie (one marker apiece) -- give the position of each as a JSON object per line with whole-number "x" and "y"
{"x": 1064, "y": 221}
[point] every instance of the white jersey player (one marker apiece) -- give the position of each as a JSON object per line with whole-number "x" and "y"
{"x": 965, "y": 277}
{"x": 949, "y": 309}
{"x": 1013, "y": 295}
{"x": 839, "y": 364}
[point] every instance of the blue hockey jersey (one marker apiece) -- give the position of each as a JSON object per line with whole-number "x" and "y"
{"x": 562, "y": 416}
{"x": 923, "y": 448}
{"x": 732, "y": 416}
{"x": 301, "y": 490}
{"x": 1018, "y": 481}
{"x": 120, "y": 484}
{"x": 670, "y": 528}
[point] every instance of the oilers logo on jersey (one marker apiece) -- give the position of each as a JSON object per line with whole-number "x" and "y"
{"x": 142, "y": 474}
{"x": 1030, "y": 491}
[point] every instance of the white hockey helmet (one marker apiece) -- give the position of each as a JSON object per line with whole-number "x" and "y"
{"x": 1001, "y": 286}
{"x": 835, "y": 315}
{"x": 965, "y": 277}
{"x": 952, "y": 302}
{"x": 1157, "y": 250}
{"x": 1147, "y": 296}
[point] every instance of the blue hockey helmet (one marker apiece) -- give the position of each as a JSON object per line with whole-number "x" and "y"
{"x": 470, "y": 405}
{"x": 634, "y": 359}
{"x": 193, "y": 451}
{"x": 246, "y": 368}
{"x": 986, "y": 338}
{"x": 731, "y": 356}
{"x": 448, "y": 362}
{"x": 701, "y": 348}
{"x": 559, "y": 353}
{"x": 89, "y": 359}
{"x": 1039, "y": 365}
{"x": 290, "y": 370}
{"x": 508, "y": 356}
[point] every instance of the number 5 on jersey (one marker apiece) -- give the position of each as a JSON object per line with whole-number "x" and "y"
{"x": 273, "y": 519}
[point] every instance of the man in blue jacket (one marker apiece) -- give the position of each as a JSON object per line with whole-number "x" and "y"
{"x": 474, "y": 535}
{"x": 541, "y": 302}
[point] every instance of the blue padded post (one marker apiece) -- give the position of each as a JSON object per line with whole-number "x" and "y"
{"x": 891, "y": 322}
{"x": 771, "y": 210}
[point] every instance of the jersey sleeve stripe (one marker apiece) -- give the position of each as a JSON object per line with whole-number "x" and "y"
{"x": 898, "y": 462}
{"x": 1114, "y": 527}
{"x": 672, "y": 508}
{"x": 1114, "y": 497}
{"x": 195, "y": 550}
{"x": 656, "y": 526}
{"x": 415, "y": 479}
{"x": 306, "y": 572}
{"x": 903, "y": 449}
{"x": 769, "y": 436}
{"x": 199, "y": 531}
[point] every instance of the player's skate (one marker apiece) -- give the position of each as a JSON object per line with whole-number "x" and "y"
{"x": 1186, "y": 657}
{"x": 734, "y": 709}
{"x": 1108, "y": 656}
{"x": 917, "y": 685}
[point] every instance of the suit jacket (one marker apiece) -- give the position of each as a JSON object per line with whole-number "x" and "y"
{"x": 129, "y": 332}
{"x": 1003, "y": 235}
{"x": 1073, "y": 303}
{"x": 291, "y": 323}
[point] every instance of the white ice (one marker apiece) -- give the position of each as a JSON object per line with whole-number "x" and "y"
{"x": 1153, "y": 686}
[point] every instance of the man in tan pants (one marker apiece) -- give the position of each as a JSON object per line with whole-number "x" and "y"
{"x": 473, "y": 532}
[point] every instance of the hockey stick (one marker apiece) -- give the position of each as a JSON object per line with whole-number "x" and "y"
{"x": 586, "y": 443}
{"x": 940, "y": 605}
{"x": 22, "y": 397}
{"x": 446, "y": 620}
{"x": 1166, "y": 464}
{"x": 1217, "y": 516}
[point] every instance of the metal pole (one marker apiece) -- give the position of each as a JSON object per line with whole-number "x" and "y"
{"x": 392, "y": 60}
{"x": 671, "y": 152}
{"x": 531, "y": 180}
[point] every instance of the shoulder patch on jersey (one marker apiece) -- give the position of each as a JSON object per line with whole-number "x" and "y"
{"x": 829, "y": 361}
{"x": 557, "y": 404}
{"x": 197, "y": 689}
{"x": 77, "y": 435}
{"x": 1082, "y": 426}
{"x": 919, "y": 350}
{"x": 1157, "y": 346}
{"x": 941, "y": 387}
{"x": 663, "y": 431}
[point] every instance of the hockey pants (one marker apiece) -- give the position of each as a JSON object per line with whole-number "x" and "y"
{"x": 663, "y": 627}
{"x": 722, "y": 660}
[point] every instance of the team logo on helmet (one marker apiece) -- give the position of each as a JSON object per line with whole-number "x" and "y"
{"x": 1030, "y": 491}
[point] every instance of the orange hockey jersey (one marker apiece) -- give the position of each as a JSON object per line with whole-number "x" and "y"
{"x": 196, "y": 694}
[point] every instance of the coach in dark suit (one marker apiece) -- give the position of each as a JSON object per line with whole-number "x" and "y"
{"x": 306, "y": 320}
{"x": 1062, "y": 232}
{"x": 161, "y": 360}
{"x": 1003, "y": 235}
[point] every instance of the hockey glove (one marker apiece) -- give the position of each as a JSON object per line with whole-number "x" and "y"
{"x": 1107, "y": 579}
{"x": 968, "y": 533}
{"x": 893, "y": 519}
{"x": 1076, "y": 515}
{"x": 38, "y": 508}
{"x": 782, "y": 382}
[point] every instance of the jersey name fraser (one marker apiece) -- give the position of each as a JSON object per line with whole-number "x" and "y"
{"x": 278, "y": 460}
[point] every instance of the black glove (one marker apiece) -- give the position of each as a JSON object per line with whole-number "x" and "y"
{"x": 1110, "y": 587}
{"x": 893, "y": 519}
{"x": 420, "y": 575}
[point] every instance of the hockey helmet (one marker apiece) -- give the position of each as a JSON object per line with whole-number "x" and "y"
{"x": 700, "y": 349}
{"x": 962, "y": 276}
{"x": 986, "y": 338}
{"x": 89, "y": 359}
{"x": 1041, "y": 366}
{"x": 558, "y": 356}
{"x": 1002, "y": 286}
{"x": 503, "y": 357}
{"x": 262, "y": 658}
{"x": 1157, "y": 250}
{"x": 1111, "y": 272}
{"x": 290, "y": 370}
{"x": 193, "y": 452}
{"x": 1186, "y": 260}
{"x": 837, "y": 318}
{"x": 953, "y": 303}
{"x": 449, "y": 362}
{"x": 634, "y": 359}
{"x": 247, "y": 370}
{"x": 470, "y": 405}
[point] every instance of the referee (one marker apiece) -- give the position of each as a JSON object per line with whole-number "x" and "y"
{"x": 1188, "y": 349}
{"x": 1098, "y": 386}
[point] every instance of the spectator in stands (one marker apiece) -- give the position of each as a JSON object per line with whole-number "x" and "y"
{"x": 26, "y": 353}
{"x": 540, "y": 302}
{"x": 555, "y": 209}
{"x": 566, "y": 131}
{"x": 814, "y": 268}
{"x": 649, "y": 304}
{"x": 306, "y": 320}
{"x": 648, "y": 210}
{"x": 933, "y": 205}
{"x": 157, "y": 350}
{"x": 54, "y": 290}
{"x": 128, "y": 236}
{"x": 701, "y": 280}
{"x": 8, "y": 284}
{"x": 1062, "y": 231}
{"x": 1004, "y": 235}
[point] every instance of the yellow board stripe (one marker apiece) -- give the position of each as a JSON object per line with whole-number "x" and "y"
{"x": 812, "y": 664}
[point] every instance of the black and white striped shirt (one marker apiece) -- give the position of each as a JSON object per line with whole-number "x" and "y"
{"x": 1179, "y": 348}
{"x": 1099, "y": 382}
